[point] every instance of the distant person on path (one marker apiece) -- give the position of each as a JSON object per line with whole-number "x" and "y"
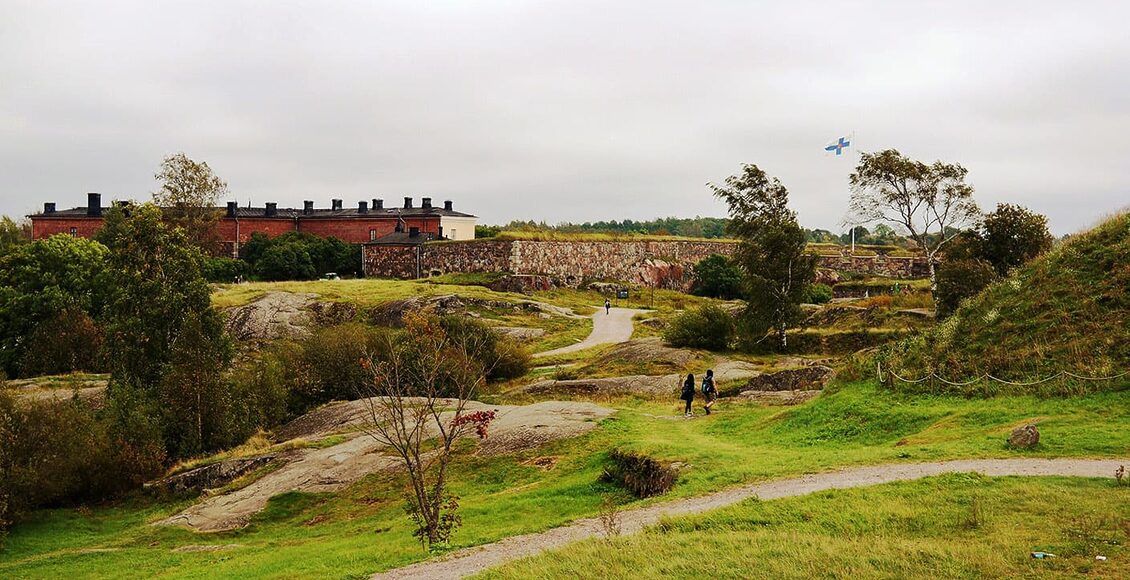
{"x": 708, "y": 390}
{"x": 688, "y": 394}
{"x": 607, "y": 307}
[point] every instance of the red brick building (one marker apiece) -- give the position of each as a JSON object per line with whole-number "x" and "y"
{"x": 355, "y": 225}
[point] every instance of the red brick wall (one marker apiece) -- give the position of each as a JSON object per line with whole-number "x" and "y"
{"x": 273, "y": 227}
{"x": 356, "y": 231}
{"x": 46, "y": 227}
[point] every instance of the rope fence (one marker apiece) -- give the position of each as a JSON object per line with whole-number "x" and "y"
{"x": 935, "y": 376}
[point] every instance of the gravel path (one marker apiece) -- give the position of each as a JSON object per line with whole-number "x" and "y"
{"x": 611, "y": 328}
{"x": 474, "y": 560}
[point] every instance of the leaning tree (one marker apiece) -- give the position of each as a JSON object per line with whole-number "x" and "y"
{"x": 772, "y": 254}
{"x": 931, "y": 202}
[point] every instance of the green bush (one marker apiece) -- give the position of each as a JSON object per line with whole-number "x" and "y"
{"x": 331, "y": 358}
{"x": 501, "y": 358}
{"x": 225, "y": 270}
{"x": 819, "y": 294}
{"x": 62, "y": 452}
{"x": 300, "y": 256}
{"x": 717, "y": 277}
{"x": 639, "y": 474}
{"x": 708, "y": 327}
{"x": 68, "y": 342}
{"x": 961, "y": 279}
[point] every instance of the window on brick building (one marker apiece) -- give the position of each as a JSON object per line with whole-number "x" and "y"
{"x": 372, "y": 235}
{"x": 74, "y": 232}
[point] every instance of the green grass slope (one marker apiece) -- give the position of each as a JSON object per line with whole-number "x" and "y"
{"x": 1068, "y": 310}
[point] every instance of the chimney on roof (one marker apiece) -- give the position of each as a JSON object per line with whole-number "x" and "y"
{"x": 94, "y": 204}
{"x": 426, "y": 202}
{"x": 307, "y": 207}
{"x": 362, "y": 207}
{"x": 232, "y": 205}
{"x": 49, "y": 207}
{"x": 413, "y": 232}
{"x": 378, "y": 203}
{"x": 271, "y": 210}
{"x": 335, "y": 204}
{"x": 447, "y": 205}
{"x": 407, "y": 203}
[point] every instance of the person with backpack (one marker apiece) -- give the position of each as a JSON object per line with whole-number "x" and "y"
{"x": 709, "y": 392}
{"x": 688, "y": 394}
{"x": 607, "y": 306}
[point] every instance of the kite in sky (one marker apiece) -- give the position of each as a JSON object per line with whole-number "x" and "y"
{"x": 839, "y": 146}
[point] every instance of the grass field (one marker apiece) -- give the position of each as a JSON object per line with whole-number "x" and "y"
{"x": 953, "y": 526}
{"x": 364, "y": 528}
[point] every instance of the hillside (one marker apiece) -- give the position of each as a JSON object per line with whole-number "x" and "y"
{"x": 1068, "y": 311}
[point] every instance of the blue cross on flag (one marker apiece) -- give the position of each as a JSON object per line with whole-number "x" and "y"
{"x": 839, "y": 146}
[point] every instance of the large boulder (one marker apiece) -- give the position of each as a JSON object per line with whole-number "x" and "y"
{"x": 649, "y": 350}
{"x": 1024, "y": 437}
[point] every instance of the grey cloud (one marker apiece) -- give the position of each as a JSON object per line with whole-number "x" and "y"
{"x": 563, "y": 110}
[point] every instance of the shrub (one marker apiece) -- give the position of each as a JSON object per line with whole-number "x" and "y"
{"x": 61, "y": 452}
{"x": 708, "y": 327}
{"x": 819, "y": 294}
{"x": 639, "y": 474}
{"x": 218, "y": 269}
{"x": 65, "y": 343}
{"x": 717, "y": 277}
{"x": 961, "y": 279}
{"x": 501, "y": 357}
{"x": 332, "y": 357}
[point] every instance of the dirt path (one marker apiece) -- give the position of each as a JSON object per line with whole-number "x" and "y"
{"x": 611, "y": 328}
{"x": 474, "y": 560}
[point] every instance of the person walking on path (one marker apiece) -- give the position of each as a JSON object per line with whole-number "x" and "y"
{"x": 709, "y": 392}
{"x": 688, "y": 394}
{"x": 607, "y": 306}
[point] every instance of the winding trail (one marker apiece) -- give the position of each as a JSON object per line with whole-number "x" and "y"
{"x": 474, "y": 560}
{"x": 611, "y": 328}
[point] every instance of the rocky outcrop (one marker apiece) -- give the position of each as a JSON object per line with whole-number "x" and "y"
{"x": 785, "y": 398}
{"x": 275, "y": 315}
{"x": 211, "y": 476}
{"x": 810, "y": 378}
{"x": 520, "y": 334}
{"x": 649, "y": 350}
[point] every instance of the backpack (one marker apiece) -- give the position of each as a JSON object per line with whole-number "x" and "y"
{"x": 707, "y": 385}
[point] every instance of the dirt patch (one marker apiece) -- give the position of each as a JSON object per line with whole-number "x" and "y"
{"x": 515, "y": 428}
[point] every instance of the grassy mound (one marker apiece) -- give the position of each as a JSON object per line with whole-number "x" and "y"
{"x": 1064, "y": 312}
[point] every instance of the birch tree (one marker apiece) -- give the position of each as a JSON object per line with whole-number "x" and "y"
{"x": 931, "y": 202}
{"x": 771, "y": 253}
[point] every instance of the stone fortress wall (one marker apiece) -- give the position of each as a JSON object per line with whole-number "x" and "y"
{"x": 650, "y": 263}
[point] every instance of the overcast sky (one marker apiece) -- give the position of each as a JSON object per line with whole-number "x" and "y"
{"x": 564, "y": 111}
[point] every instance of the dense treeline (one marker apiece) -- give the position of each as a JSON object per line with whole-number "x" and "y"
{"x": 696, "y": 227}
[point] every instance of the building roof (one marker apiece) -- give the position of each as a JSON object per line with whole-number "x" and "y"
{"x": 291, "y": 213}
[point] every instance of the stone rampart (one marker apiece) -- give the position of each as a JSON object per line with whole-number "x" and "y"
{"x": 654, "y": 263}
